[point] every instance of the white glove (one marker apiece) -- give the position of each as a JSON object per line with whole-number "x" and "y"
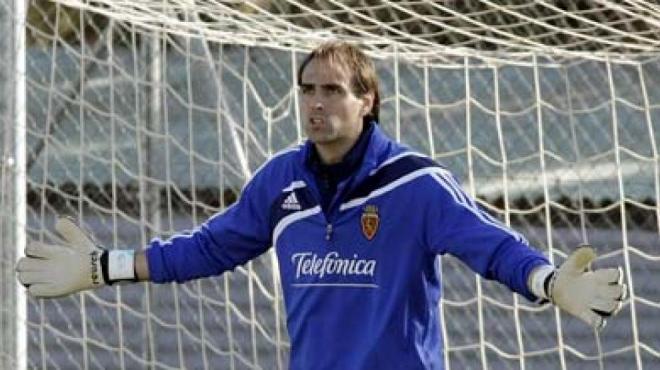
{"x": 56, "y": 270}
{"x": 589, "y": 295}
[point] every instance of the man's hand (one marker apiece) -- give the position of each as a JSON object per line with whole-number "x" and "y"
{"x": 50, "y": 271}
{"x": 589, "y": 295}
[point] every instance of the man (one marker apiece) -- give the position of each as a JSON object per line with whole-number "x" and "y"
{"x": 357, "y": 221}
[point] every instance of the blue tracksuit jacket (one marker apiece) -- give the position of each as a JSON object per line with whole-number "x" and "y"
{"x": 360, "y": 284}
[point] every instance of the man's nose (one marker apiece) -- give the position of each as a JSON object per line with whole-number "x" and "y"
{"x": 317, "y": 104}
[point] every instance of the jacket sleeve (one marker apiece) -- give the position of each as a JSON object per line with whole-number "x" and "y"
{"x": 227, "y": 239}
{"x": 458, "y": 226}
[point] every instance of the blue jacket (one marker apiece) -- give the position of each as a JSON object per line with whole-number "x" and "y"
{"x": 360, "y": 282}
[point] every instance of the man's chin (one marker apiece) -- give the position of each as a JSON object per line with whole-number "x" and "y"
{"x": 320, "y": 138}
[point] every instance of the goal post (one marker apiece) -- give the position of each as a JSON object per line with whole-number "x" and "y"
{"x": 141, "y": 119}
{"x": 13, "y": 319}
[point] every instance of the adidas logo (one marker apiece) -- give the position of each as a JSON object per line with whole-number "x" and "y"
{"x": 291, "y": 203}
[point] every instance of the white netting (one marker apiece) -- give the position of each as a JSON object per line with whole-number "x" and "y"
{"x": 146, "y": 117}
{"x": 418, "y": 28}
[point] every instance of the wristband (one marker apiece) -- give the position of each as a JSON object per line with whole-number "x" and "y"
{"x": 539, "y": 281}
{"x": 118, "y": 265}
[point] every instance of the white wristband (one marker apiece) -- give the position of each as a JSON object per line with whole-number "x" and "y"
{"x": 121, "y": 265}
{"x": 537, "y": 279}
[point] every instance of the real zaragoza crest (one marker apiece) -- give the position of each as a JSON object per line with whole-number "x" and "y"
{"x": 370, "y": 221}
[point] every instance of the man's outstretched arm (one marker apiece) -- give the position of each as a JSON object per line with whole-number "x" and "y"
{"x": 76, "y": 263}
{"x": 459, "y": 227}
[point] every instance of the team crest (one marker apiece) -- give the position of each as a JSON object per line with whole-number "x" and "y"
{"x": 370, "y": 221}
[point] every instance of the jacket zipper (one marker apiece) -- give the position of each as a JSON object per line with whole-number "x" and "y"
{"x": 328, "y": 232}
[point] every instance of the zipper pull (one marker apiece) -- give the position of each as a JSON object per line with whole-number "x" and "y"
{"x": 328, "y": 232}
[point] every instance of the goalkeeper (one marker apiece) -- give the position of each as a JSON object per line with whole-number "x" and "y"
{"x": 357, "y": 221}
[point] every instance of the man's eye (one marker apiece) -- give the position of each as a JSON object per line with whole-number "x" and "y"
{"x": 306, "y": 90}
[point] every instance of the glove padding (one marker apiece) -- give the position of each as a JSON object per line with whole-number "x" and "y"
{"x": 589, "y": 295}
{"x": 50, "y": 271}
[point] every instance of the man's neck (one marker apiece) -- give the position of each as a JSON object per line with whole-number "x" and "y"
{"x": 329, "y": 154}
{"x": 333, "y": 153}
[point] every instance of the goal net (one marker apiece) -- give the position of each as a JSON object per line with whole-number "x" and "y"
{"x": 143, "y": 118}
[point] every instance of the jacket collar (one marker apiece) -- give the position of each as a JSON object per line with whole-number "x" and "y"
{"x": 348, "y": 164}
{"x": 371, "y": 146}
{"x": 368, "y": 158}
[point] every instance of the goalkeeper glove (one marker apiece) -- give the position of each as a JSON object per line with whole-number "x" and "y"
{"x": 50, "y": 271}
{"x": 589, "y": 295}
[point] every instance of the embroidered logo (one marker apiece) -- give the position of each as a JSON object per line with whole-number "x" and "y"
{"x": 370, "y": 221}
{"x": 311, "y": 264}
{"x": 291, "y": 203}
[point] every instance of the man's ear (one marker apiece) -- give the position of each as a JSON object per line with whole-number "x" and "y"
{"x": 367, "y": 103}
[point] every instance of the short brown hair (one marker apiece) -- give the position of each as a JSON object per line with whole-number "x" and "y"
{"x": 364, "y": 78}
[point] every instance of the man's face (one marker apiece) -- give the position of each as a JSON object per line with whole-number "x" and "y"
{"x": 332, "y": 113}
